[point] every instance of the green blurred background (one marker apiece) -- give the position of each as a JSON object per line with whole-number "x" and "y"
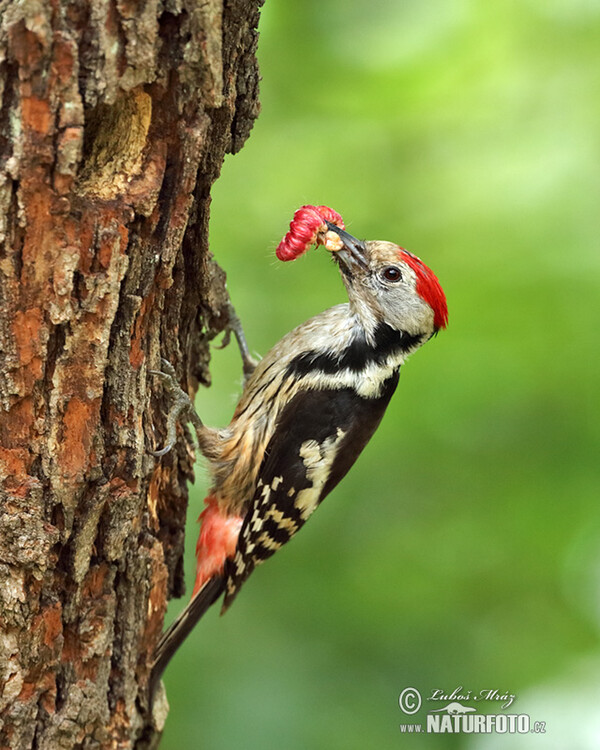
{"x": 464, "y": 547}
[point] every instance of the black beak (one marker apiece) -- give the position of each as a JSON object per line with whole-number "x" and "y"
{"x": 354, "y": 253}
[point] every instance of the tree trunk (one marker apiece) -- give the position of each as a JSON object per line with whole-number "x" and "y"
{"x": 115, "y": 116}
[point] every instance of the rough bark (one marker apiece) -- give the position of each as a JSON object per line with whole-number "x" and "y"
{"x": 115, "y": 116}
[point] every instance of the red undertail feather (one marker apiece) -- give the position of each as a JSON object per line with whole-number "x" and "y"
{"x": 428, "y": 288}
{"x": 217, "y": 541}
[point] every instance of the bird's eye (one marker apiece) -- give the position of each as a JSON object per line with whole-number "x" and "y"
{"x": 392, "y": 273}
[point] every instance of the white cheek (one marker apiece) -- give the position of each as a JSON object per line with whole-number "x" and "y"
{"x": 405, "y": 310}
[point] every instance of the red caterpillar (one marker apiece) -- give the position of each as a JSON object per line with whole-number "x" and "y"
{"x": 307, "y": 228}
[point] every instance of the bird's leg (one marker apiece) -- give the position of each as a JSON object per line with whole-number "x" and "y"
{"x": 234, "y": 325}
{"x": 181, "y": 406}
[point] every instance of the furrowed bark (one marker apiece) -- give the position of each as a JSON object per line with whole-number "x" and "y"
{"x": 115, "y": 116}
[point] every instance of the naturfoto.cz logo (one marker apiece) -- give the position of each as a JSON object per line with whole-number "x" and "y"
{"x": 454, "y": 717}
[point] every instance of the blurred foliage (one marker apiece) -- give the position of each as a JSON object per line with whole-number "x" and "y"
{"x": 463, "y": 548}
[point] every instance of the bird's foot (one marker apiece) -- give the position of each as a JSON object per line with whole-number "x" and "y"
{"x": 234, "y": 325}
{"x": 181, "y": 406}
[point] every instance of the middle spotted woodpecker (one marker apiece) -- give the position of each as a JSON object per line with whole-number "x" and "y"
{"x": 308, "y": 409}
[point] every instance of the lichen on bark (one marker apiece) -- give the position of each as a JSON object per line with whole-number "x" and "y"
{"x": 115, "y": 117}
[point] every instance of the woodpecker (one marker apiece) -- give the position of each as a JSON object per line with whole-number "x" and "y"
{"x": 307, "y": 410}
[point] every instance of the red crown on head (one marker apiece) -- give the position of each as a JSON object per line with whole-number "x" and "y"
{"x": 428, "y": 288}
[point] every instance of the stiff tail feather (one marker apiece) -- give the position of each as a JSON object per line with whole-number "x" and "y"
{"x": 178, "y": 631}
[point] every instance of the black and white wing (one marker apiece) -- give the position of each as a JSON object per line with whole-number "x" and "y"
{"x": 317, "y": 439}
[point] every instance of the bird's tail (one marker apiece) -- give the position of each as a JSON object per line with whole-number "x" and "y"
{"x": 175, "y": 635}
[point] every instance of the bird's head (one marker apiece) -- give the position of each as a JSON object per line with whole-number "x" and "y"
{"x": 387, "y": 284}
